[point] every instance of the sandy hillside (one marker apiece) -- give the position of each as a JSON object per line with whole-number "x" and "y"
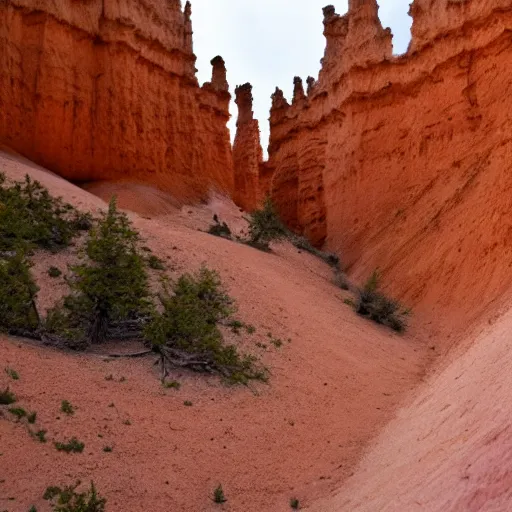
{"x": 450, "y": 449}
{"x": 333, "y": 386}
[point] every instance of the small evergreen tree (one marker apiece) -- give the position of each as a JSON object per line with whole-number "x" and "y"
{"x": 18, "y": 312}
{"x": 265, "y": 226}
{"x": 31, "y": 217}
{"x": 111, "y": 286}
{"x": 186, "y": 333}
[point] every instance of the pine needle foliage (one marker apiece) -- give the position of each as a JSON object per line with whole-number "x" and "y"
{"x": 111, "y": 286}
{"x": 68, "y": 500}
{"x": 30, "y": 217}
{"x": 18, "y": 312}
{"x": 265, "y": 226}
{"x": 186, "y": 332}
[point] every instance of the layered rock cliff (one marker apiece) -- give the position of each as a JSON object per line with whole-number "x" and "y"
{"x": 106, "y": 90}
{"x": 404, "y": 163}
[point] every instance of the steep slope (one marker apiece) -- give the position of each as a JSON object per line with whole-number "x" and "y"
{"x": 332, "y": 387}
{"x": 450, "y": 449}
{"x": 403, "y": 163}
{"x": 106, "y": 90}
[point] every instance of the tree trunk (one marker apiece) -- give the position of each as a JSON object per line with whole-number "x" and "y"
{"x": 99, "y": 327}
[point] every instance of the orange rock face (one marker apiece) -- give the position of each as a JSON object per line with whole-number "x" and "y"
{"x": 106, "y": 90}
{"x": 247, "y": 152}
{"x": 404, "y": 163}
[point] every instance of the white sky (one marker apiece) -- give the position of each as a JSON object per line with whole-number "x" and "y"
{"x": 268, "y": 42}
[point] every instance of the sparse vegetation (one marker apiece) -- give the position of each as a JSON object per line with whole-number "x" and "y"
{"x": 265, "y": 226}
{"x": 18, "y": 312}
{"x": 67, "y": 408}
{"x": 7, "y": 397}
{"x": 112, "y": 287}
{"x": 173, "y": 384}
{"x": 304, "y": 244}
{"x": 218, "y": 495}
{"x": 188, "y": 403}
{"x": 236, "y": 326}
{"x": 31, "y": 418}
{"x": 30, "y": 217}
{"x": 186, "y": 333}
{"x": 155, "y": 263}
{"x": 73, "y": 445}
{"x": 294, "y": 504}
{"x": 40, "y": 435}
{"x": 19, "y": 412}
{"x": 108, "y": 449}
{"x": 68, "y": 500}
{"x": 219, "y": 229}
{"x": 13, "y": 374}
{"x": 278, "y": 343}
{"x": 109, "y": 291}
{"x": 379, "y": 308}
{"x": 54, "y": 272}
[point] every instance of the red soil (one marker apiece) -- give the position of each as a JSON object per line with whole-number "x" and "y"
{"x": 332, "y": 388}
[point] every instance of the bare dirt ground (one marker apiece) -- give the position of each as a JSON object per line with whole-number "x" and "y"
{"x": 450, "y": 449}
{"x": 333, "y": 387}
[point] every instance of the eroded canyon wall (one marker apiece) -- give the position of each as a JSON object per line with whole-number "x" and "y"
{"x": 106, "y": 90}
{"x": 247, "y": 151}
{"x": 405, "y": 163}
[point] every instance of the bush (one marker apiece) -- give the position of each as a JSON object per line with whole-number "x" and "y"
{"x": 31, "y": 217}
{"x": 54, "y": 272}
{"x": 294, "y": 504}
{"x": 111, "y": 287}
{"x": 18, "y": 312}
{"x": 19, "y": 412}
{"x": 73, "y": 445}
{"x": 219, "y": 496}
{"x": 12, "y": 373}
{"x": 40, "y": 435}
{"x": 218, "y": 229}
{"x": 186, "y": 333}
{"x": 68, "y": 500}
{"x": 265, "y": 226}
{"x": 67, "y": 408}
{"x": 155, "y": 263}
{"x": 304, "y": 244}
{"x": 378, "y": 307}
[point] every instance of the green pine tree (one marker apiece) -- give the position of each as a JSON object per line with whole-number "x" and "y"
{"x": 18, "y": 313}
{"x": 111, "y": 286}
{"x": 265, "y": 225}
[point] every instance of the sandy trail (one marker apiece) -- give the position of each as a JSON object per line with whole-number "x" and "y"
{"x": 332, "y": 388}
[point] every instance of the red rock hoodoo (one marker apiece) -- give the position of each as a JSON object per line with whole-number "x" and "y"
{"x": 247, "y": 151}
{"x": 404, "y": 162}
{"x": 106, "y": 90}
